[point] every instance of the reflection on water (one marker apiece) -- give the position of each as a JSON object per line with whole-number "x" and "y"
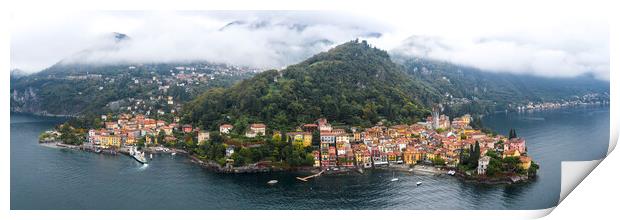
{"x": 45, "y": 178}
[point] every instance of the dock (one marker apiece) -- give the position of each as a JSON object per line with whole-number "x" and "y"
{"x": 305, "y": 179}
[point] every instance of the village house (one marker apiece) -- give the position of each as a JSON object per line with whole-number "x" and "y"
{"x": 256, "y": 130}
{"x": 203, "y": 136}
{"x": 525, "y": 162}
{"x": 187, "y": 128}
{"x": 323, "y": 125}
{"x": 483, "y": 163}
{"x": 317, "y": 158}
{"x": 107, "y": 141}
{"x": 304, "y": 137}
{"x": 511, "y": 153}
{"x": 225, "y": 128}
{"x": 516, "y": 144}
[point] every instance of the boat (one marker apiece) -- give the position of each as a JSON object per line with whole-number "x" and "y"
{"x": 151, "y": 156}
{"x": 271, "y": 182}
{"x": 139, "y": 156}
{"x": 97, "y": 150}
{"x": 173, "y": 153}
{"x": 394, "y": 179}
{"x": 411, "y": 170}
{"x": 418, "y": 183}
{"x": 451, "y": 172}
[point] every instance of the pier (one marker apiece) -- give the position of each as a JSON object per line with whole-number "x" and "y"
{"x": 305, "y": 179}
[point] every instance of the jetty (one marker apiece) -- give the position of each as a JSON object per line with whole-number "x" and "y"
{"x": 305, "y": 179}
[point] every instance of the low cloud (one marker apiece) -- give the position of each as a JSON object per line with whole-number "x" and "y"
{"x": 257, "y": 39}
{"x": 565, "y": 45}
{"x": 560, "y": 58}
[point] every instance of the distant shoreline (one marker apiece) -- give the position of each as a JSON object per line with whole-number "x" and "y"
{"x": 44, "y": 114}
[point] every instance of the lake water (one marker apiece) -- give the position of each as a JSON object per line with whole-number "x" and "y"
{"x": 48, "y": 178}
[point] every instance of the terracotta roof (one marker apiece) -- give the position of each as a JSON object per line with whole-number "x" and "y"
{"x": 258, "y": 126}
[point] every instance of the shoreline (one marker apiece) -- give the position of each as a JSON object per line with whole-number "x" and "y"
{"x": 267, "y": 167}
{"x": 44, "y": 114}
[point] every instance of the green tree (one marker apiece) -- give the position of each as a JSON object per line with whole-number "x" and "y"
{"x": 512, "y": 133}
{"x": 316, "y": 138}
{"x": 474, "y": 156}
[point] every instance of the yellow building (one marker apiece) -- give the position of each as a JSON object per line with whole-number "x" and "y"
{"x": 304, "y": 137}
{"x": 110, "y": 141}
{"x": 430, "y": 156}
{"x": 130, "y": 140}
{"x": 511, "y": 153}
{"x": 409, "y": 157}
{"x": 307, "y": 140}
{"x": 525, "y": 162}
{"x": 148, "y": 139}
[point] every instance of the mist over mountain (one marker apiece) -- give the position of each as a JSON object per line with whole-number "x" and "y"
{"x": 512, "y": 55}
{"x": 262, "y": 41}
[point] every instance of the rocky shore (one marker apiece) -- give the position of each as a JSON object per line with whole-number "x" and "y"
{"x": 501, "y": 180}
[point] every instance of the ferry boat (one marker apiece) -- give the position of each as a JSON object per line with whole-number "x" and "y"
{"x": 139, "y": 156}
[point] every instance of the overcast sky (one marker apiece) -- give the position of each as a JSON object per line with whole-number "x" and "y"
{"x": 555, "y": 44}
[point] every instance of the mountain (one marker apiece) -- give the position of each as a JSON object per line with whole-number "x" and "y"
{"x": 80, "y": 89}
{"x": 79, "y": 85}
{"x": 89, "y": 59}
{"x": 18, "y": 73}
{"x": 471, "y": 90}
{"x": 352, "y": 83}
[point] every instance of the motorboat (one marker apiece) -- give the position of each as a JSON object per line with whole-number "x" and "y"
{"x": 394, "y": 179}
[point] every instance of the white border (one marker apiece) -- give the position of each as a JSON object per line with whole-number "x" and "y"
{"x": 361, "y": 6}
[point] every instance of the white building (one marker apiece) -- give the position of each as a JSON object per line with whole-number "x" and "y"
{"x": 483, "y": 164}
{"x": 225, "y": 128}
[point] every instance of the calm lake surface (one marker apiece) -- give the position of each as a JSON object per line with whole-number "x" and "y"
{"x": 48, "y": 178}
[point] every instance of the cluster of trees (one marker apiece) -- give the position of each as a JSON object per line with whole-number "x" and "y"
{"x": 512, "y": 133}
{"x": 71, "y": 135}
{"x": 352, "y": 83}
{"x": 469, "y": 157}
{"x": 275, "y": 149}
{"x": 497, "y": 165}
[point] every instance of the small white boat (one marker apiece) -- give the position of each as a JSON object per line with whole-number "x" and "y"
{"x": 451, "y": 172}
{"x": 151, "y": 156}
{"x": 418, "y": 183}
{"x": 394, "y": 179}
{"x": 173, "y": 153}
{"x": 411, "y": 170}
{"x": 271, "y": 182}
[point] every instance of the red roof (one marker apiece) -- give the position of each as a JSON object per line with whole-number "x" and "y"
{"x": 258, "y": 126}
